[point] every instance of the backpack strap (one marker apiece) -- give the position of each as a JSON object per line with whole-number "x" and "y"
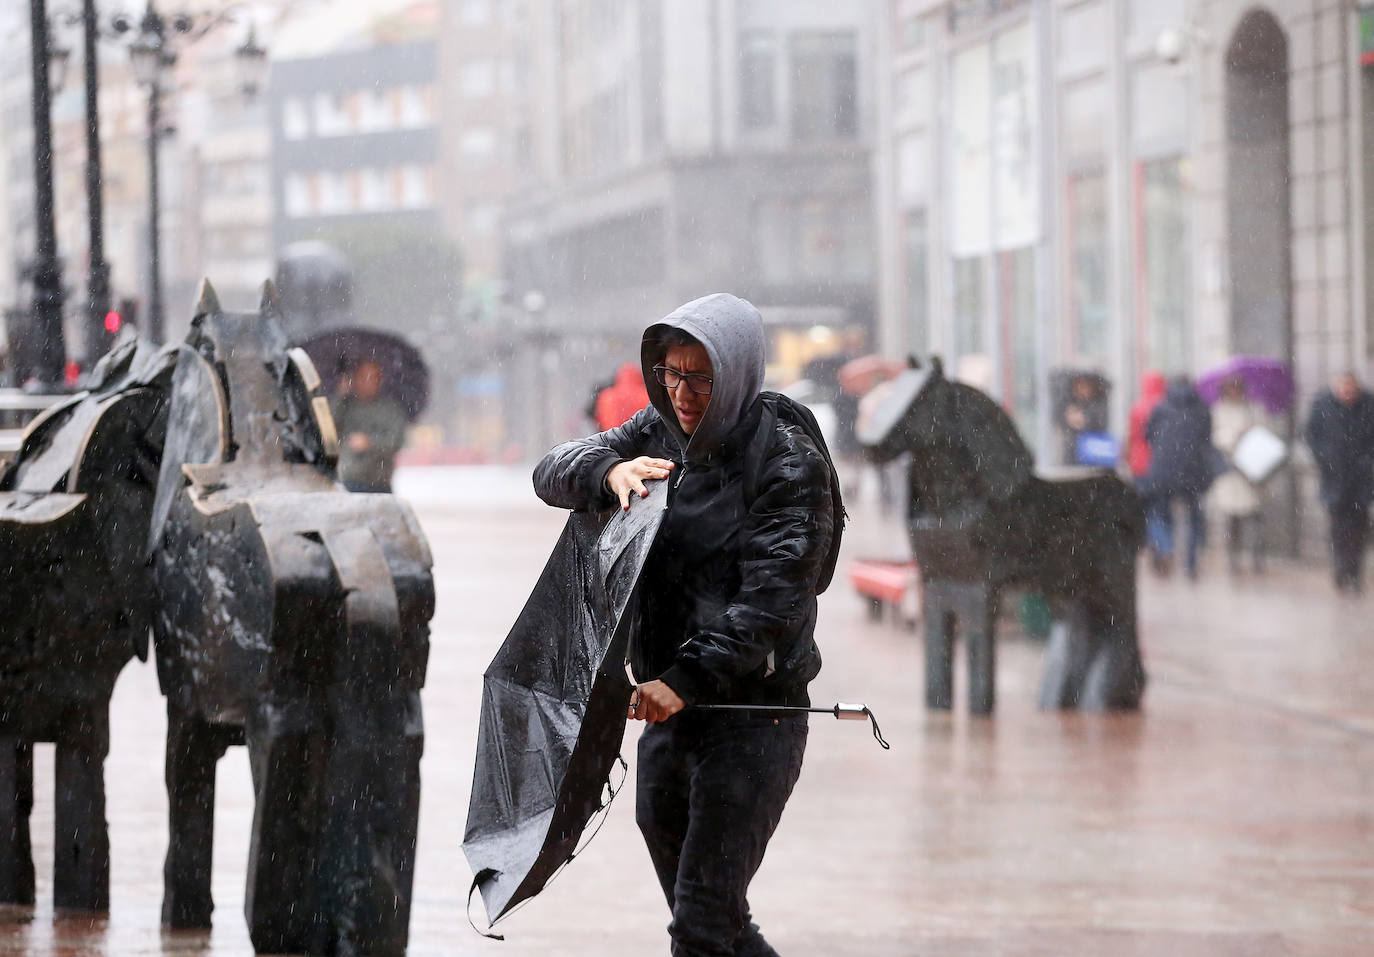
{"x": 775, "y": 406}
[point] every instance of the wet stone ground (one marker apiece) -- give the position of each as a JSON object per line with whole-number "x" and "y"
{"x": 1233, "y": 816}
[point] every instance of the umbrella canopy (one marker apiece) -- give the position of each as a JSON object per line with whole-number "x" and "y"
{"x": 1267, "y": 381}
{"x": 553, "y": 705}
{"x": 858, "y": 376}
{"x": 405, "y": 377}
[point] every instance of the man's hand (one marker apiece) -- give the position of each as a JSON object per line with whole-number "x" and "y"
{"x": 628, "y": 477}
{"x": 654, "y": 702}
{"x": 359, "y": 442}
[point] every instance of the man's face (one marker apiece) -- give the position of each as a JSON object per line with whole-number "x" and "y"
{"x": 367, "y": 380}
{"x": 689, "y": 406}
{"x": 1347, "y": 389}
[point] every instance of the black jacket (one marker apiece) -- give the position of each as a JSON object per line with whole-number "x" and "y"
{"x": 727, "y": 602}
{"x": 1342, "y": 441}
{"x": 1179, "y": 432}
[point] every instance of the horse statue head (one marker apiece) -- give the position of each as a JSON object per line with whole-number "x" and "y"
{"x": 964, "y": 447}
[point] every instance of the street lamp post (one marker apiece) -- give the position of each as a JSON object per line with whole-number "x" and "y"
{"x": 150, "y": 57}
{"x": 46, "y": 329}
{"x": 98, "y": 283}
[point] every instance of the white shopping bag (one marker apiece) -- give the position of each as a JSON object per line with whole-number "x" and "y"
{"x": 1259, "y": 453}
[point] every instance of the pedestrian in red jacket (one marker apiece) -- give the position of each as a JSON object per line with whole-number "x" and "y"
{"x": 1152, "y": 387}
{"x": 622, "y": 399}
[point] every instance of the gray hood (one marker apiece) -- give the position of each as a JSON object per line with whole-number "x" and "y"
{"x": 731, "y": 329}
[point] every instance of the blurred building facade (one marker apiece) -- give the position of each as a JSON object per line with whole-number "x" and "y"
{"x": 355, "y": 140}
{"x": 1123, "y": 185}
{"x": 671, "y": 148}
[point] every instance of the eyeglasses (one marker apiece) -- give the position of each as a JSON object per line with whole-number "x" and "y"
{"x": 669, "y": 379}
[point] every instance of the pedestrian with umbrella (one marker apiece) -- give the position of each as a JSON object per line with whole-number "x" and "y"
{"x": 726, "y": 605}
{"x": 1340, "y": 432}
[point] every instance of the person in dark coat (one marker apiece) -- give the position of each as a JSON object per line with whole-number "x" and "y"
{"x": 1182, "y": 466}
{"x": 1340, "y": 432}
{"x": 726, "y": 608}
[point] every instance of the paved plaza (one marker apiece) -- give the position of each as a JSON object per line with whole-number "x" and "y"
{"x": 1233, "y": 816}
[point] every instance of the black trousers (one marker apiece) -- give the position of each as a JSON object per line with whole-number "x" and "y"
{"x": 710, "y": 790}
{"x": 1349, "y": 536}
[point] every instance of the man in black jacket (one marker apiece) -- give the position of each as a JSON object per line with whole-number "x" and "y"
{"x": 726, "y": 612}
{"x": 1340, "y": 432}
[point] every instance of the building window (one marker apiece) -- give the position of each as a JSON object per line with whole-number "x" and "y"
{"x": 824, "y": 87}
{"x": 1085, "y": 118}
{"x": 1085, "y": 212}
{"x": 916, "y": 281}
{"x": 1164, "y": 278}
{"x": 1159, "y": 109}
{"x": 911, "y": 96}
{"x": 478, "y": 145}
{"x": 374, "y": 111}
{"x": 331, "y": 115}
{"x": 295, "y": 119}
{"x": 1082, "y": 36}
{"x": 757, "y": 88}
{"x": 297, "y": 198}
{"x": 335, "y": 193}
{"x": 415, "y": 108}
{"x": 806, "y": 238}
{"x": 970, "y": 306}
{"x": 477, "y": 79}
{"x": 375, "y": 190}
{"x": 913, "y": 176}
{"x": 415, "y": 187}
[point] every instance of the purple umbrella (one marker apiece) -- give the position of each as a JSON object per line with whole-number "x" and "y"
{"x": 1266, "y": 381}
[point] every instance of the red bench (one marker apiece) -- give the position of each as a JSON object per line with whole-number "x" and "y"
{"x": 888, "y": 585}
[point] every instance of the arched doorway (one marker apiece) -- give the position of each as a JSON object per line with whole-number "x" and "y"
{"x": 1258, "y": 232}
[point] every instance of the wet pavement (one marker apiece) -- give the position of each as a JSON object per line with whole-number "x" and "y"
{"x": 1233, "y": 816}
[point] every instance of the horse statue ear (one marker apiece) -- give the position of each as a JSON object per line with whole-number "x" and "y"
{"x": 271, "y": 299}
{"x": 913, "y": 361}
{"x": 937, "y": 368}
{"x": 208, "y": 303}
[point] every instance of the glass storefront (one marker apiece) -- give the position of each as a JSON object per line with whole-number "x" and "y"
{"x": 1163, "y": 273}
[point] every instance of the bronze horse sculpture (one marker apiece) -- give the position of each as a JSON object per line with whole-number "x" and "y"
{"x": 981, "y": 519}
{"x": 292, "y": 617}
{"x": 74, "y": 509}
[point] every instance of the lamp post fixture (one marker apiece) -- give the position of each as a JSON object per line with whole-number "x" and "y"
{"x": 150, "y": 56}
{"x": 45, "y": 347}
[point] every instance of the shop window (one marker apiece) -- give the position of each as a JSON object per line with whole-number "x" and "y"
{"x": 916, "y": 281}
{"x": 1083, "y": 107}
{"x": 911, "y": 96}
{"x": 1163, "y": 274}
{"x": 913, "y": 169}
{"x": 970, "y": 306}
{"x": 1159, "y": 109}
{"x": 1085, "y": 210}
{"x": 1083, "y": 36}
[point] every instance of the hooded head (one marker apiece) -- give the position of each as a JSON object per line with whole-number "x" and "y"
{"x": 731, "y": 331}
{"x": 1153, "y": 386}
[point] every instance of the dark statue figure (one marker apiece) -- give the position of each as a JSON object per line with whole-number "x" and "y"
{"x": 981, "y": 519}
{"x": 74, "y": 508}
{"x": 292, "y": 617}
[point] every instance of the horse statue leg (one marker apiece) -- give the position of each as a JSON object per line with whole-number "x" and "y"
{"x": 16, "y": 803}
{"x": 81, "y": 845}
{"x": 194, "y": 748}
{"x": 372, "y": 778}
